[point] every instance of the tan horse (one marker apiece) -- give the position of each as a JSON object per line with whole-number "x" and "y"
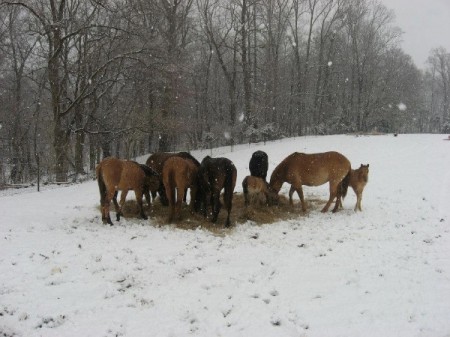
{"x": 253, "y": 187}
{"x": 156, "y": 162}
{"x": 313, "y": 170}
{"x": 358, "y": 180}
{"x": 113, "y": 175}
{"x": 178, "y": 175}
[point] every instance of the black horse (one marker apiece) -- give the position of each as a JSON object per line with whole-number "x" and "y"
{"x": 215, "y": 174}
{"x": 259, "y": 163}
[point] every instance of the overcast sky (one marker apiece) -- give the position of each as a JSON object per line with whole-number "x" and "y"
{"x": 425, "y": 23}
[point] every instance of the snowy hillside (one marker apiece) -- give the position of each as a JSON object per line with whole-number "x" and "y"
{"x": 381, "y": 272}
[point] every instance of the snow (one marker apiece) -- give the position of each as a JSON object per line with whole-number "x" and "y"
{"x": 382, "y": 271}
{"x": 401, "y": 106}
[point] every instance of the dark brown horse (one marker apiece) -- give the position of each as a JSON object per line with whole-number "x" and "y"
{"x": 312, "y": 170}
{"x": 156, "y": 162}
{"x": 178, "y": 175}
{"x": 215, "y": 174}
{"x": 113, "y": 175}
{"x": 358, "y": 180}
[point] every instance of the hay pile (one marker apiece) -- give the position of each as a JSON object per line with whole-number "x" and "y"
{"x": 256, "y": 212}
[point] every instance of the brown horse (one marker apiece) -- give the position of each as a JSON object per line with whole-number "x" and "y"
{"x": 178, "y": 175}
{"x": 358, "y": 180}
{"x": 215, "y": 174}
{"x": 312, "y": 170}
{"x": 253, "y": 187}
{"x": 156, "y": 162}
{"x": 113, "y": 175}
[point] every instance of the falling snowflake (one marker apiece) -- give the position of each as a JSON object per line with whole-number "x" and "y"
{"x": 330, "y": 63}
{"x": 241, "y": 117}
{"x": 227, "y": 135}
{"x": 401, "y": 106}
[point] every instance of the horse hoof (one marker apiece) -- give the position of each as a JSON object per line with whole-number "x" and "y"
{"x": 118, "y": 217}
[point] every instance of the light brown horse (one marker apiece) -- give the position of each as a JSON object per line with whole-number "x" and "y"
{"x": 113, "y": 175}
{"x": 358, "y": 180}
{"x": 156, "y": 162}
{"x": 178, "y": 175}
{"x": 253, "y": 187}
{"x": 312, "y": 170}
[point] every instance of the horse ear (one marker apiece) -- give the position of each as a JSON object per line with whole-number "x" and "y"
{"x": 367, "y": 165}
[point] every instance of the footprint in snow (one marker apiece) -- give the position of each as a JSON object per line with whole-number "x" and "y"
{"x": 51, "y": 322}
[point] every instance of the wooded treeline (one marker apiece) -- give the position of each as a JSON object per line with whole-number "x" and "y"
{"x": 83, "y": 79}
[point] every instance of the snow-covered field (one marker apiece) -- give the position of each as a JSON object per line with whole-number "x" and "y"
{"x": 381, "y": 272}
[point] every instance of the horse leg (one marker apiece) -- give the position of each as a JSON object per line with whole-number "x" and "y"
{"x": 105, "y": 207}
{"x": 338, "y": 202}
{"x": 246, "y": 198}
{"x": 358, "y": 201}
{"x": 216, "y": 205}
{"x": 170, "y": 194}
{"x": 181, "y": 193}
{"x": 291, "y": 192}
{"x": 298, "y": 188}
{"x": 139, "y": 195}
{"x": 162, "y": 195}
{"x": 333, "y": 194}
{"x": 338, "y": 199}
{"x": 147, "y": 196}
{"x": 228, "y": 199}
{"x": 193, "y": 193}
{"x": 119, "y": 206}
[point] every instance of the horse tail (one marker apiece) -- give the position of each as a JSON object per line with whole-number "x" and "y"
{"x": 344, "y": 184}
{"x": 101, "y": 184}
{"x": 230, "y": 182}
{"x": 169, "y": 186}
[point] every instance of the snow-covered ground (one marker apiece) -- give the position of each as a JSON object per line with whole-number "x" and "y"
{"x": 381, "y": 272}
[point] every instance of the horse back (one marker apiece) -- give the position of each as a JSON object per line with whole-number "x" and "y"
{"x": 216, "y": 173}
{"x": 110, "y": 170}
{"x": 259, "y": 164}
{"x": 132, "y": 176}
{"x": 179, "y": 172}
{"x": 156, "y": 161}
{"x": 254, "y": 184}
{"x": 313, "y": 169}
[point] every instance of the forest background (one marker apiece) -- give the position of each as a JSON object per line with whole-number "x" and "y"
{"x": 84, "y": 79}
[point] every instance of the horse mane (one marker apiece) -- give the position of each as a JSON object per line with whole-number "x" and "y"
{"x": 206, "y": 159}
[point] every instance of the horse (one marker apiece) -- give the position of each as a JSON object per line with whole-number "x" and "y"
{"x": 313, "y": 170}
{"x": 114, "y": 174}
{"x": 178, "y": 175}
{"x": 255, "y": 186}
{"x": 156, "y": 162}
{"x": 259, "y": 163}
{"x": 215, "y": 174}
{"x": 358, "y": 180}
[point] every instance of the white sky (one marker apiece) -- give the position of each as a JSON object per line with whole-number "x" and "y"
{"x": 425, "y": 23}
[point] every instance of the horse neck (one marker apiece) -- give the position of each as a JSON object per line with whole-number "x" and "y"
{"x": 275, "y": 184}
